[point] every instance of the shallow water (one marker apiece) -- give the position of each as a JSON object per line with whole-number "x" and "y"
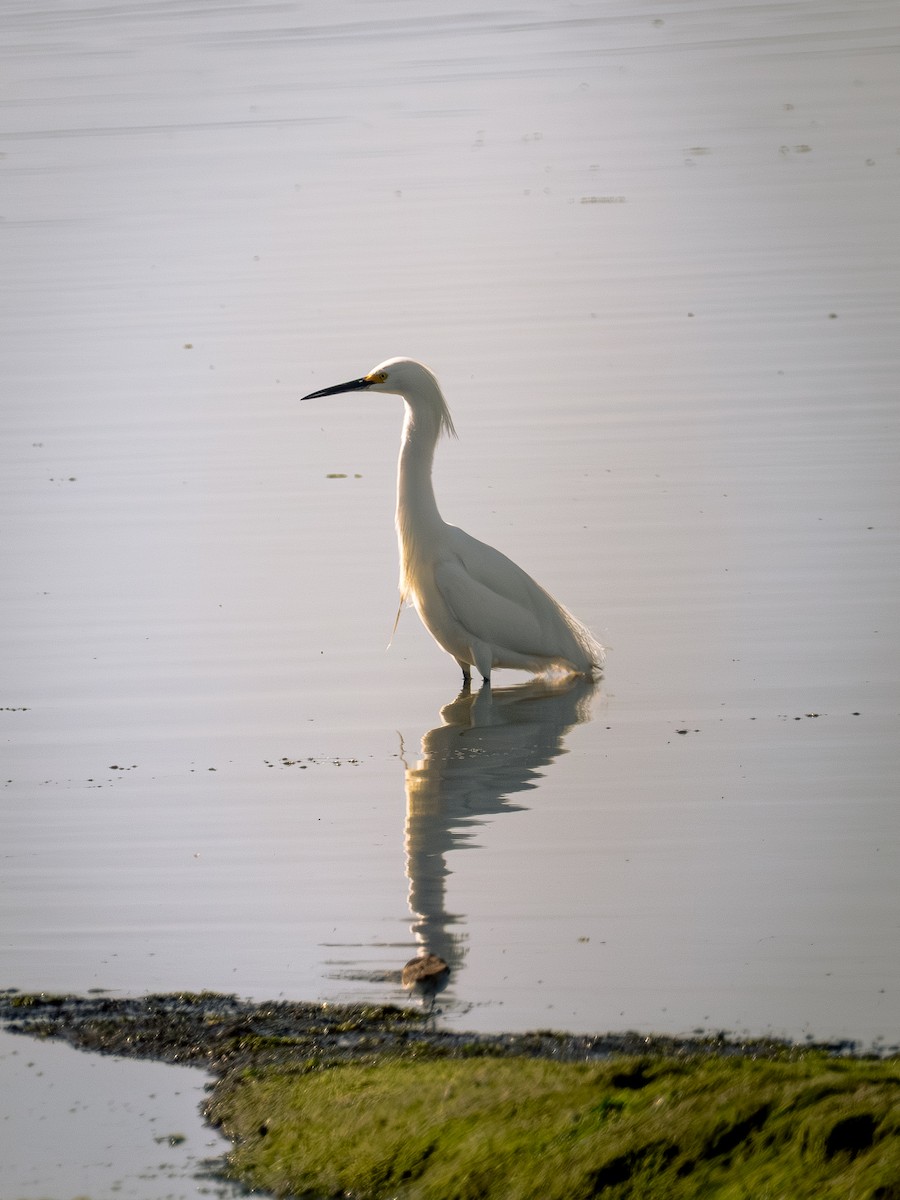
{"x": 652, "y": 255}
{"x": 92, "y": 1125}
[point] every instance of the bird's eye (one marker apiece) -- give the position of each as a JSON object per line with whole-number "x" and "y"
{"x": 377, "y": 377}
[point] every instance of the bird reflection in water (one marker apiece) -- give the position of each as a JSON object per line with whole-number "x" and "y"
{"x": 490, "y": 745}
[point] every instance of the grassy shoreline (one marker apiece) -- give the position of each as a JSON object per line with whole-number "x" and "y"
{"x": 326, "y": 1100}
{"x": 688, "y": 1127}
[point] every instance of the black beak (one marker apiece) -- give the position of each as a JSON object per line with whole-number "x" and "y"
{"x": 355, "y": 385}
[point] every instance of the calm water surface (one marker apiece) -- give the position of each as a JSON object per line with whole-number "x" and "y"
{"x": 76, "y": 1125}
{"x": 653, "y": 255}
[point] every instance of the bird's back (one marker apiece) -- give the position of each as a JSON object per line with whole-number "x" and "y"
{"x": 506, "y": 607}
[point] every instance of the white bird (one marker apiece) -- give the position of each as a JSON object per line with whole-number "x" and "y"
{"x": 474, "y": 601}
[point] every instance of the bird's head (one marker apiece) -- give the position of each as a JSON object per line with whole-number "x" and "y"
{"x": 401, "y": 377}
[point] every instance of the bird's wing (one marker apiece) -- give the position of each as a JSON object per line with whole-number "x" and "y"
{"x": 486, "y": 613}
{"x": 482, "y": 612}
{"x": 497, "y": 572}
{"x": 496, "y": 602}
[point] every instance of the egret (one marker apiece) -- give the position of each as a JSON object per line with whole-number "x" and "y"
{"x": 476, "y": 603}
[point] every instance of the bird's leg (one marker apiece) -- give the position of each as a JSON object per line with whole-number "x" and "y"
{"x": 466, "y": 670}
{"x": 483, "y": 659}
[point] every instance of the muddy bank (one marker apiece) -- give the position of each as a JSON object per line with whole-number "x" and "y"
{"x": 223, "y": 1032}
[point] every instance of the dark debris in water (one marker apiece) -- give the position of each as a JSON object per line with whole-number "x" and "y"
{"x": 222, "y": 1032}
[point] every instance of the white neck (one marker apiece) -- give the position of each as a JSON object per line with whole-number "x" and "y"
{"x": 415, "y": 493}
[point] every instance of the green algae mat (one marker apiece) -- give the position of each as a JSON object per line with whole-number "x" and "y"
{"x": 730, "y": 1128}
{"x": 371, "y": 1103}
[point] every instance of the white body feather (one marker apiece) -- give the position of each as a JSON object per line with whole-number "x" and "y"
{"x": 475, "y": 602}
